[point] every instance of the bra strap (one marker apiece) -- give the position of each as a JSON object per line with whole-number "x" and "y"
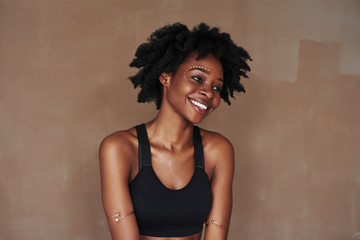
{"x": 198, "y": 148}
{"x": 144, "y": 146}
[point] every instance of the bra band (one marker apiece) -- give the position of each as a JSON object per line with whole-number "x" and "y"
{"x": 145, "y": 152}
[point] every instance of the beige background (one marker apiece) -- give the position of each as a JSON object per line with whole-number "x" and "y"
{"x": 64, "y": 69}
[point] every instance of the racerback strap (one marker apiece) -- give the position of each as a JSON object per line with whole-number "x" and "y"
{"x": 145, "y": 151}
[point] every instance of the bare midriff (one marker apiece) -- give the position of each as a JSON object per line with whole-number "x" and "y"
{"x": 196, "y": 236}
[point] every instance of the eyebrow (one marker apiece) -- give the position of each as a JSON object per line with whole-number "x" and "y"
{"x": 205, "y": 71}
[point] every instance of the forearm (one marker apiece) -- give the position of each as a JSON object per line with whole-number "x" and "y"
{"x": 215, "y": 232}
{"x": 124, "y": 229}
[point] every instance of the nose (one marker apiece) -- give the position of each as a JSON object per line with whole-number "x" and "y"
{"x": 206, "y": 91}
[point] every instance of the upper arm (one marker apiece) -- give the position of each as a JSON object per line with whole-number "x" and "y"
{"x": 222, "y": 157}
{"x": 115, "y": 169}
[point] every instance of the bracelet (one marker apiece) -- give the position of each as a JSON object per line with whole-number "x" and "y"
{"x": 216, "y": 223}
{"x": 117, "y": 218}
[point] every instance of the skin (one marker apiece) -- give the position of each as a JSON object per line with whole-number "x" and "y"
{"x": 170, "y": 136}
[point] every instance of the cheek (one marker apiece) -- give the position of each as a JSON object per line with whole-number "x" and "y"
{"x": 183, "y": 87}
{"x": 217, "y": 102}
{"x": 178, "y": 92}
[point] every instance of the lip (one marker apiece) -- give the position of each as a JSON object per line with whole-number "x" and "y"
{"x": 198, "y": 109}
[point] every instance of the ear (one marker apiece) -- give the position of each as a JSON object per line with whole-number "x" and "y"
{"x": 165, "y": 79}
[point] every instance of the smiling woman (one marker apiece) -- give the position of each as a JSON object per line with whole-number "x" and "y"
{"x": 166, "y": 178}
{"x": 198, "y": 83}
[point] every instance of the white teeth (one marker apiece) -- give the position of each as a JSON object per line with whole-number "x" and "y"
{"x": 202, "y": 106}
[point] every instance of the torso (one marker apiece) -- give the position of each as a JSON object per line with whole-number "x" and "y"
{"x": 174, "y": 174}
{"x": 159, "y": 155}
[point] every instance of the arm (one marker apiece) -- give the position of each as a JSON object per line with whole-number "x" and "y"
{"x": 221, "y": 185}
{"x": 115, "y": 169}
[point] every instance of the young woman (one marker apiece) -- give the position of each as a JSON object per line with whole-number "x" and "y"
{"x": 164, "y": 179}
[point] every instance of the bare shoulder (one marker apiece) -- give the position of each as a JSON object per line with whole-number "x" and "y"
{"x": 118, "y": 145}
{"x": 215, "y": 142}
{"x": 218, "y": 150}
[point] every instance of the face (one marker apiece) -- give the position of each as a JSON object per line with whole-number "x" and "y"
{"x": 194, "y": 89}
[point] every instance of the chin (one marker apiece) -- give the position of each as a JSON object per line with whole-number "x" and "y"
{"x": 196, "y": 120}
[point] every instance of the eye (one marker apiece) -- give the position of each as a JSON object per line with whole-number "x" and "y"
{"x": 217, "y": 88}
{"x": 197, "y": 78}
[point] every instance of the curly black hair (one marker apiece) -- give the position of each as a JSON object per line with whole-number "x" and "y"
{"x": 169, "y": 46}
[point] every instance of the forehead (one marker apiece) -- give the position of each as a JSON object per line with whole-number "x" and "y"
{"x": 210, "y": 62}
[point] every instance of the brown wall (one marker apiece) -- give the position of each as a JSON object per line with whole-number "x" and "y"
{"x": 63, "y": 70}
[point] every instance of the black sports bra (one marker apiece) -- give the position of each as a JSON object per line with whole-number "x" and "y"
{"x": 164, "y": 212}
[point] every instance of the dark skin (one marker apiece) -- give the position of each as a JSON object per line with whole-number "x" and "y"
{"x": 170, "y": 136}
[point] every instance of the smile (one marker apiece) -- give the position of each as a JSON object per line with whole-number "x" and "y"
{"x": 200, "y": 105}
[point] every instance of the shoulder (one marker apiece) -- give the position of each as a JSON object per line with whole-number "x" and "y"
{"x": 118, "y": 145}
{"x": 215, "y": 142}
{"x": 218, "y": 150}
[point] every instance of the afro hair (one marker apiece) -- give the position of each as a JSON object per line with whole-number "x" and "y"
{"x": 169, "y": 46}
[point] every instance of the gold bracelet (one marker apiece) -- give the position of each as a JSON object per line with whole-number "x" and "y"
{"x": 216, "y": 223}
{"x": 117, "y": 218}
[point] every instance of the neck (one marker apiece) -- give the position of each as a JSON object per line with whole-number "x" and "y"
{"x": 170, "y": 129}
